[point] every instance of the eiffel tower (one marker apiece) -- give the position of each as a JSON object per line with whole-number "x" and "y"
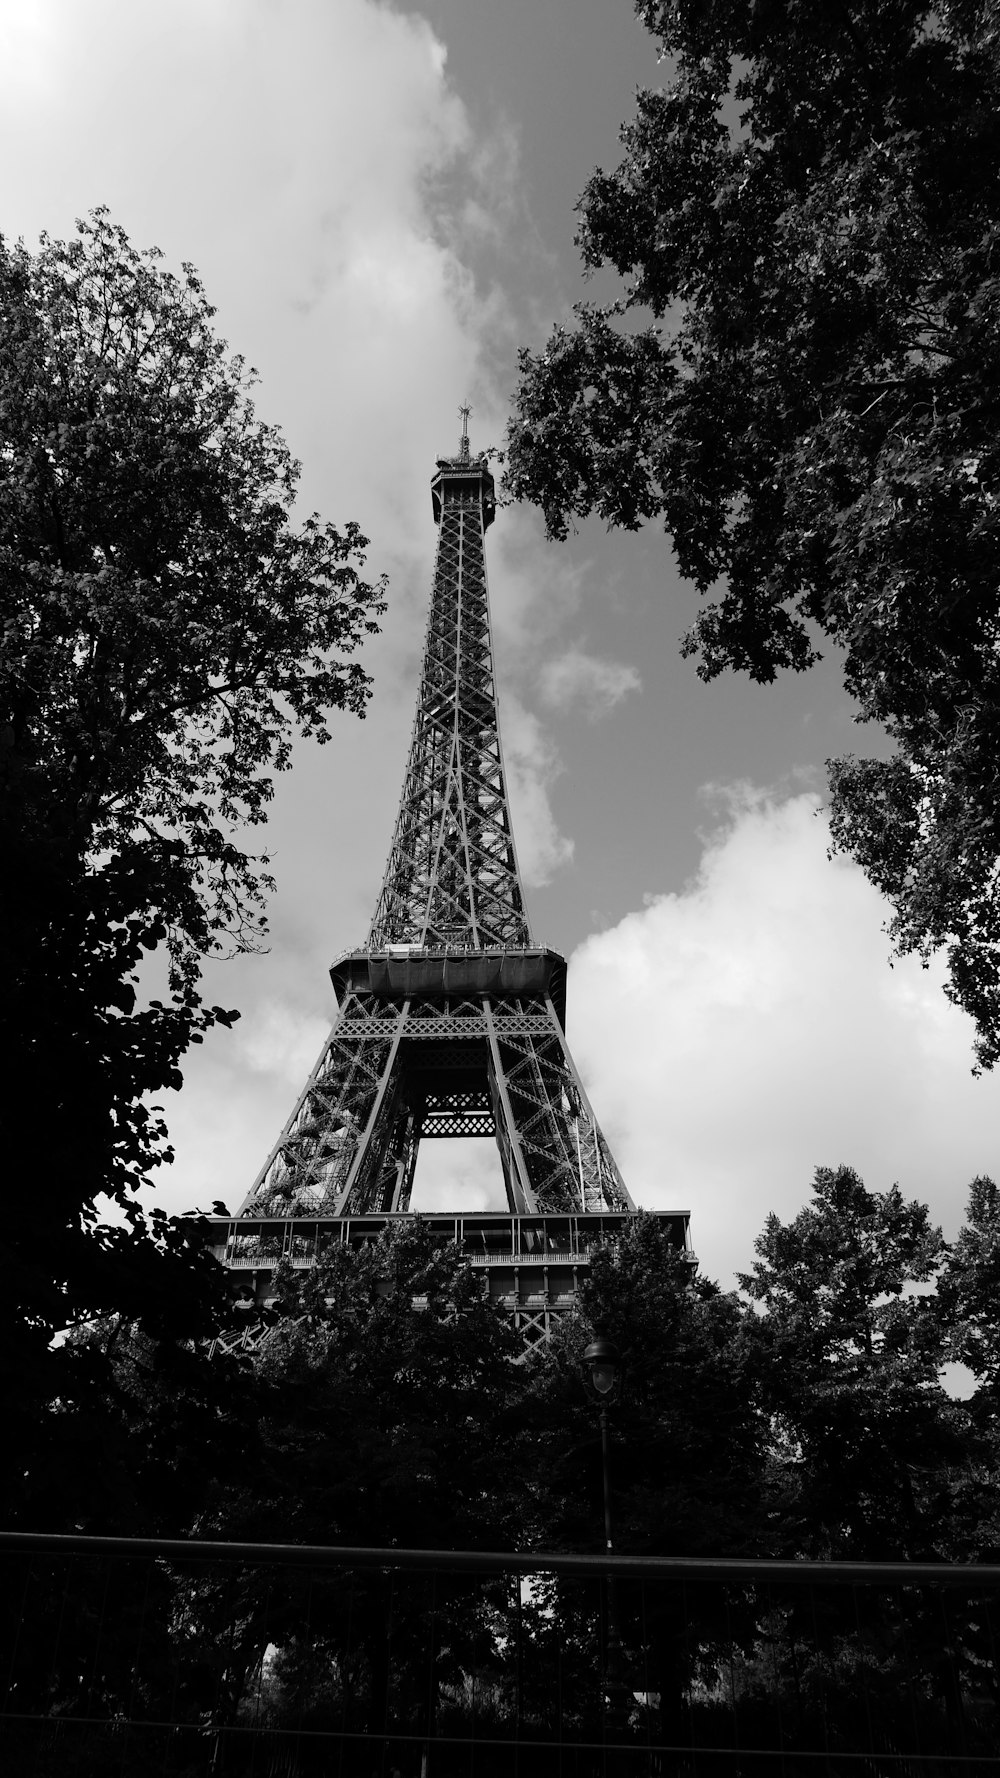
{"x": 451, "y": 1019}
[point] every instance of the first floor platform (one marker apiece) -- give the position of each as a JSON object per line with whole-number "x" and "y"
{"x": 531, "y": 1266}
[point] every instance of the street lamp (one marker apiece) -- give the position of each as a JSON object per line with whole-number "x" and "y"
{"x": 604, "y": 1365}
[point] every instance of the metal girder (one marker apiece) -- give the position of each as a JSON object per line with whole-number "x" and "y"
{"x": 389, "y": 1076}
{"x": 451, "y": 1020}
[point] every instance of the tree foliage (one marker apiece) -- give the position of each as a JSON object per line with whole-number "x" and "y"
{"x": 382, "y": 1395}
{"x": 688, "y": 1436}
{"x": 970, "y": 1292}
{"x": 167, "y": 628}
{"x": 871, "y": 1455}
{"x": 396, "y": 1409}
{"x": 386, "y": 1397}
{"x": 800, "y": 379}
{"x": 392, "y": 1405}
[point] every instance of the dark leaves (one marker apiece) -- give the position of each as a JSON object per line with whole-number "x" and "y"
{"x": 167, "y": 629}
{"x": 809, "y": 210}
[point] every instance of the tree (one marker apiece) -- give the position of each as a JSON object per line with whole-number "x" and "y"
{"x": 168, "y": 627}
{"x": 969, "y": 1296}
{"x": 800, "y": 379}
{"x": 688, "y": 1436}
{"x": 388, "y": 1397}
{"x": 874, "y": 1461}
{"x": 869, "y": 1446}
{"x": 688, "y": 1473}
{"x": 968, "y": 1303}
{"x": 382, "y": 1393}
{"x": 397, "y": 1407}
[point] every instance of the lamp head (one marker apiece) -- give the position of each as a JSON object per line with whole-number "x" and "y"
{"x": 604, "y": 1366}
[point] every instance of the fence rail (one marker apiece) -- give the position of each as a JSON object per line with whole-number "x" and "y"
{"x": 186, "y": 1657}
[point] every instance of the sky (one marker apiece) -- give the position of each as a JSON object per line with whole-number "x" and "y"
{"x": 380, "y": 201}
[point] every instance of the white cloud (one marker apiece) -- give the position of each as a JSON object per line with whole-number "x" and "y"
{"x": 738, "y": 1035}
{"x": 576, "y": 680}
{"x": 458, "y": 1173}
{"x": 733, "y": 1037}
{"x": 531, "y": 765}
{"x": 294, "y": 153}
{"x": 314, "y": 162}
{"x": 349, "y": 218}
{"x": 282, "y": 1041}
{"x": 534, "y": 589}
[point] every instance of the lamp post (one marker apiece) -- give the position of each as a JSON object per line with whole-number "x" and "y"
{"x": 604, "y": 1367}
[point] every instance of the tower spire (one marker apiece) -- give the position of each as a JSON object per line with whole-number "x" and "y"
{"x": 452, "y": 875}
{"x": 463, "y": 449}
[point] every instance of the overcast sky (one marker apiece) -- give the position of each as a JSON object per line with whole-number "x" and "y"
{"x": 380, "y": 202}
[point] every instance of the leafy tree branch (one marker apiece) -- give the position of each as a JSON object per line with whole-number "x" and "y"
{"x": 799, "y": 379}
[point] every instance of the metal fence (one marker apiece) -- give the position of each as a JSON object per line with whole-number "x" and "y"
{"x": 124, "y": 1657}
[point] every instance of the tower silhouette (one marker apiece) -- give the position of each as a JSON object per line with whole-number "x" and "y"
{"x": 451, "y": 1020}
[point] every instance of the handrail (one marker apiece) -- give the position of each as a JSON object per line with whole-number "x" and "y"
{"x": 970, "y": 1575}
{"x": 507, "y": 1256}
{"x": 460, "y": 947}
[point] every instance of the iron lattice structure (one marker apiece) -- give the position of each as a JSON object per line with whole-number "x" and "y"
{"x": 451, "y": 1021}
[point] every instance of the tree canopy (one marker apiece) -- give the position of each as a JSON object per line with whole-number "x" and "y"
{"x": 970, "y": 1291}
{"x": 851, "y": 1351}
{"x": 168, "y": 627}
{"x": 382, "y": 1394}
{"x": 799, "y": 379}
{"x": 392, "y": 1404}
{"x": 688, "y": 1434}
